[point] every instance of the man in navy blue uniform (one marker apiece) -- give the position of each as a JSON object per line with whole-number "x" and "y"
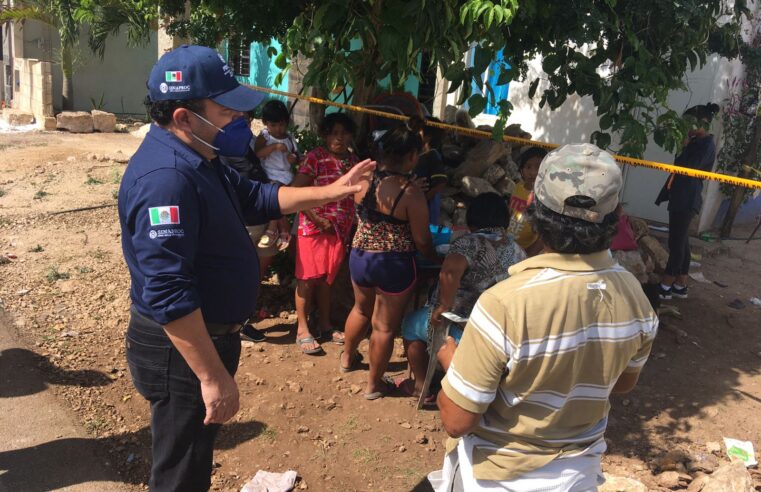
{"x": 193, "y": 267}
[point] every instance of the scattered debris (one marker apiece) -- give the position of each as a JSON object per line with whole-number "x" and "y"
{"x": 736, "y": 304}
{"x": 265, "y": 481}
{"x": 755, "y": 301}
{"x": 741, "y": 450}
{"x": 699, "y": 277}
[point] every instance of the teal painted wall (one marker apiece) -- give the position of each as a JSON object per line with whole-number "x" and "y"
{"x": 263, "y": 70}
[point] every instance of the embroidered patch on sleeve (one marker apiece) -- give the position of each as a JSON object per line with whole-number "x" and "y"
{"x": 166, "y": 215}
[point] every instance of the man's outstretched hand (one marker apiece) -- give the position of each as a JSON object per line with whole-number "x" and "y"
{"x": 351, "y": 182}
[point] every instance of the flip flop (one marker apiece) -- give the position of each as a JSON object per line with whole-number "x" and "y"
{"x": 337, "y": 341}
{"x": 353, "y": 365}
{"x": 283, "y": 241}
{"x": 390, "y": 387}
{"x": 307, "y": 340}
{"x": 406, "y": 386}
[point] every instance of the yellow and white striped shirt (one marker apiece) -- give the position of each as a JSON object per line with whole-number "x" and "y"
{"x": 540, "y": 356}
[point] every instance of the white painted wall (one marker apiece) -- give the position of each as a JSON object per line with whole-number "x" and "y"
{"x": 576, "y": 120}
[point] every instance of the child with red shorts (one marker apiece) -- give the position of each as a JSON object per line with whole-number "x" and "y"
{"x": 324, "y": 231}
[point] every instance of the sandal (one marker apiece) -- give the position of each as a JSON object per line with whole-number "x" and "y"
{"x": 306, "y": 341}
{"x": 268, "y": 239}
{"x": 355, "y": 361}
{"x": 407, "y": 387}
{"x": 283, "y": 241}
{"x": 340, "y": 340}
{"x": 389, "y": 388}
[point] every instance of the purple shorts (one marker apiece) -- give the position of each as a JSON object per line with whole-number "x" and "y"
{"x": 389, "y": 272}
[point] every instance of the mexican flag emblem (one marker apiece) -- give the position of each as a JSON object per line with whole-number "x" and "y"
{"x": 173, "y": 76}
{"x": 164, "y": 215}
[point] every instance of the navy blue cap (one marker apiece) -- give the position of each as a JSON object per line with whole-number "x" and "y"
{"x": 198, "y": 72}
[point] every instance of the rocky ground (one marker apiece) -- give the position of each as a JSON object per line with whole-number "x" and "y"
{"x": 65, "y": 288}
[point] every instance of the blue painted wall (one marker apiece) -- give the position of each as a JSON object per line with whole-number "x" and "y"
{"x": 262, "y": 69}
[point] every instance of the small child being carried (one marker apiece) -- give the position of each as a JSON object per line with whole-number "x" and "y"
{"x": 278, "y": 152}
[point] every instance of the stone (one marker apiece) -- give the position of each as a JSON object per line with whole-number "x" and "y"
{"x": 459, "y": 217}
{"x": 406, "y": 425}
{"x": 402, "y": 448}
{"x": 505, "y": 186}
{"x": 354, "y": 389}
{"x": 103, "y": 121}
{"x": 303, "y": 429}
{"x": 47, "y": 123}
{"x": 698, "y": 483}
{"x": 632, "y": 261}
{"x": 639, "y": 227}
{"x": 732, "y": 477}
{"x": 421, "y": 438}
{"x": 493, "y": 174}
{"x": 462, "y": 119}
{"x": 294, "y": 386}
{"x": 668, "y": 480}
{"x": 75, "y": 121}
{"x": 478, "y": 159}
{"x": 704, "y": 462}
{"x": 472, "y": 186}
{"x": 621, "y": 484}
{"x": 142, "y": 131}
{"x": 448, "y": 204}
{"x": 713, "y": 447}
{"x": 670, "y": 460}
{"x": 16, "y": 117}
{"x": 653, "y": 248}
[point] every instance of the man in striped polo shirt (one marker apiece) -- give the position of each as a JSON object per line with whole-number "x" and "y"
{"x": 526, "y": 391}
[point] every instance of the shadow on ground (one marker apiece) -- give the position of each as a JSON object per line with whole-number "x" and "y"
{"x": 53, "y": 465}
{"x": 17, "y": 378}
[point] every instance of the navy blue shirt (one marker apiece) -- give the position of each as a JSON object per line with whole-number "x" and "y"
{"x": 183, "y": 233}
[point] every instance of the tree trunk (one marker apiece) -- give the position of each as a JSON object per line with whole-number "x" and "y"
{"x": 316, "y": 111}
{"x": 739, "y": 193}
{"x": 67, "y": 67}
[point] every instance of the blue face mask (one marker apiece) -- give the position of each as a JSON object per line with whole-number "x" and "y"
{"x": 233, "y": 140}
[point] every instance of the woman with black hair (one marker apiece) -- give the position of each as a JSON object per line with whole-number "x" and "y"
{"x": 684, "y": 195}
{"x": 474, "y": 263}
{"x": 392, "y": 226}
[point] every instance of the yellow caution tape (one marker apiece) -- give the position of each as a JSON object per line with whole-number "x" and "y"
{"x": 669, "y": 168}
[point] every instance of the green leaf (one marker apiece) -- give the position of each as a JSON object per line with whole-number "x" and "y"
{"x": 600, "y": 139}
{"x": 532, "y": 88}
{"x": 551, "y": 63}
{"x": 606, "y": 121}
{"x": 281, "y": 61}
{"x": 476, "y": 104}
{"x": 482, "y": 59}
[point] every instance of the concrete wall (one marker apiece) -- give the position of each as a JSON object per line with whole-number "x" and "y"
{"x": 34, "y": 93}
{"x": 119, "y": 78}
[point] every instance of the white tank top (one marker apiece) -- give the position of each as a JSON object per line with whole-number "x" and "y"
{"x": 276, "y": 164}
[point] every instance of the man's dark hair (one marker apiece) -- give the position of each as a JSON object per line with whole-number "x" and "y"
{"x": 275, "y": 111}
{"x": 333, "y": 119}
{"x": 161, "y": 111}
{"x": 703, "y": 112}
{"x": 487, "y": 210}
{"x": 529, "y": 154}
{"x": 394, "y": 144}
{"x": 565, "y": 234}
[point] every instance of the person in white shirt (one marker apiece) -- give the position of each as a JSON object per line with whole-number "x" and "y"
{"x": 278, "y": 152}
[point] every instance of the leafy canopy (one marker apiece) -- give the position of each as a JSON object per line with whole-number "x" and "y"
{"x": 626, "y": 54}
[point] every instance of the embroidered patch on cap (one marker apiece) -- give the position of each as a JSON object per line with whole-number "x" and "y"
{"x": 175, "y": 76}
{"x": 169, "y": 214}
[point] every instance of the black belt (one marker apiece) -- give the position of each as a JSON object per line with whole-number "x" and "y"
{"x": 220, "y": 329}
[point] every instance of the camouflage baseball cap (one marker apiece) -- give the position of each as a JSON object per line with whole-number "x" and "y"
{"x": 579, "y": 170}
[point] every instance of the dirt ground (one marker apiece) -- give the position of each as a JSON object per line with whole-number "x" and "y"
{"x": 66, "y": 289}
